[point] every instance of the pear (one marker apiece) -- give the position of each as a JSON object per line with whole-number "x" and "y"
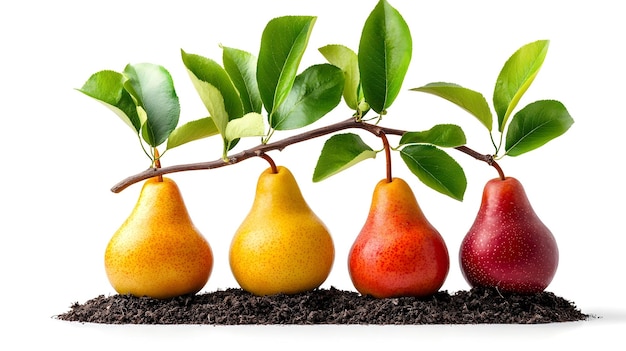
{"x": 508, "y": 246}
{"x": 158, "y": 252}
{"x": 398, "y": 252}
{"x": 281, "y": 246}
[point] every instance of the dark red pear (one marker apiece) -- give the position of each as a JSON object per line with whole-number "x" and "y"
{"x": 508, "y": 246}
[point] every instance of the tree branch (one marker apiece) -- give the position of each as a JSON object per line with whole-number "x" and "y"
{"x": 350, "y": 123}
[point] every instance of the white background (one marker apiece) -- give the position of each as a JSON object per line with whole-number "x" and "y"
{"x": 63, "y": 151}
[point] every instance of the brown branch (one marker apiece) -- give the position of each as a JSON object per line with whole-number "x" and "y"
{"x": 485, "y": 158}
{"x": 350, "y": 123}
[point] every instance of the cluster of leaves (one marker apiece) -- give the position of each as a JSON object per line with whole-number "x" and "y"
{"x": 530, "y": 127}
{"x": 143, "y": 96}
{"x": 250, "y": 96}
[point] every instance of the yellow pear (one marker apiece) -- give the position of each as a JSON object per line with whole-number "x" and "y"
{"x": 281, "y": 246}
{"x": 158, "y": 252}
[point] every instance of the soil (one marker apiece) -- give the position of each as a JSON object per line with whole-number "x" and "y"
{"x": 328, "y": 306}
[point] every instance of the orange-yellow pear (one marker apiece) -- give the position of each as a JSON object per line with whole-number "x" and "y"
{"x": 158, "y": 252}
{"x": 281, "y": 246}
{"x": 398, "y": 252}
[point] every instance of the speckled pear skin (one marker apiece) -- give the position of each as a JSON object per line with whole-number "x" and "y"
{"x": 398, "y": 252}
{"x": 157, "y": 251}
{"x": 281, "y": 246}
{"x": 508, "y": 246}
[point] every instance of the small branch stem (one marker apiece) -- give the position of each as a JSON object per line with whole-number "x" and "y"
{"x": 387, "y": 154}
{"x": 261, "y": 149}
{"x": 157, "y": 163}
{"x": 498, "y": 168}
{"x": 485, "y": 158}
{"x": 269, "y": 160}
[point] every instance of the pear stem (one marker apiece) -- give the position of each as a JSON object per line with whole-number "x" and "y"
{"x": 350, "y": 123}
{"x": 495, "y": 165}
{"x": 157, "y": 163}
{"x": 382, "y": 135}
{"x": 267, "y": 158}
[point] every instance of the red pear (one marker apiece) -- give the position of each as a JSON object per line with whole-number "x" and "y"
{"x": 508, "y": 246}
{"x": 398, "y": 252}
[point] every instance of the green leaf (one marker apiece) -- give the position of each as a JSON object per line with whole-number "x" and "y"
{"x": 152, "y": 88}
{"x": 384, "y": 55}
{"x": 518, "y": 73}
{"x": 315, "y": 92}
{"x": 469, "y": 100}
{"x": 443, "y": 135}
{"x": 535, "y": 125}
{"x": 251, "y": 124}
{"x": 436, "y": 169}
{"x": 241, "y": 67}
{"x": 108, "y": 88}
{"x": 283, "y": 43}
{"x": 190, "y": 131}
{"x": 339, "y": 153}
{"x": 216, "y": 90}
{"x": 348, "y": 61}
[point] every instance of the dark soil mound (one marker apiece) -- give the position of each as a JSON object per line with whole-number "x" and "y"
{"x": 328, "y": 306}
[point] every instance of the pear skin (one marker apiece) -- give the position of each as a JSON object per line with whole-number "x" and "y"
{"x": 281, "y": 246}
{"x": 398, "y": 252}
{"x": 158, "y": 252}
{"x": 508, "y": 246}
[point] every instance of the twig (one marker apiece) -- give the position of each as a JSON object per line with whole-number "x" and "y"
{"x": 350, "y": 123}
